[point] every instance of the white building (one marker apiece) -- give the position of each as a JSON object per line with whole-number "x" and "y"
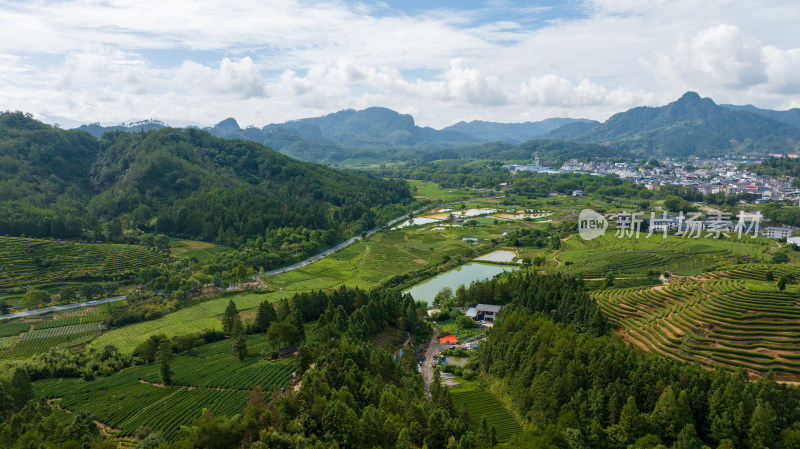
{"x": 777, "y": 233}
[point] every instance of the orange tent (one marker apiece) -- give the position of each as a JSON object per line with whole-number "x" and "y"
{"x": 448, "y": 340}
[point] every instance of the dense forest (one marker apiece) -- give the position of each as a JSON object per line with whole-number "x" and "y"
{"x": 182, "y": 183}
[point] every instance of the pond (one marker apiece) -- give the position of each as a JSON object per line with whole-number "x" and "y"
{"x": 458, "y": 361}
{"x": 464, "y": 274}
{"x": 498, "y": 256}
{"x": 416, "y": 221}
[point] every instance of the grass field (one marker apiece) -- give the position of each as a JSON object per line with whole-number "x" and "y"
{"x": 428, "y": 190}
{"x": 720, "y": 322}
{"x": 195, "y": 318}
{"x": 481, "y": 403}
{"x": 211, "y": 378}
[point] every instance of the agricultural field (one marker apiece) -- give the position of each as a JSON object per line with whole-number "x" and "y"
{"x": 723, "y": 322}
{"x": 194, "y": 318}
{"x": 481, "y": 403}
{"x": 41, "y": 340}
{"x": 363, "y": 264}
{"x": 211, "y": 378}
{"x": 50, "y": 264}
{"x": 29, "y": 336}
{"x": 429, "y": 190}
{"x": 202, "y": 251}
{"x": 637, "y": 257}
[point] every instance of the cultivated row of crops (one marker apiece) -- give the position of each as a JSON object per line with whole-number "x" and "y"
{"x": 482, "y": 404}
{"x": 165, "y": 409}
{"x": 756, "y": 272}
{"x": 730, "y": 322}
{"x": 40, "y": 262}
{"x": 597, "y": 263}
{"x": 210, "y": 379}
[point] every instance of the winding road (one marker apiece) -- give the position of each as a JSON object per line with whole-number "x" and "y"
{"x": 63, "y": 307}
{"x": 302, "y": 264}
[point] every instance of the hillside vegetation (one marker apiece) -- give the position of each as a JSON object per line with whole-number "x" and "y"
{"x": 180, "y": 182}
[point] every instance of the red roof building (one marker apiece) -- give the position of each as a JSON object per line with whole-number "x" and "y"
{"x": 448, "y": 340}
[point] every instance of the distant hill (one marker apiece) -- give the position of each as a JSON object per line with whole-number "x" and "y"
{"x": 98, "y": 130}
{"x": 690, "y": 126}
{"x": 550, "y": 151}
{"x": 180, "y": 182}
{"x": 511, "y": 132}
{"x": 791, "y": 116}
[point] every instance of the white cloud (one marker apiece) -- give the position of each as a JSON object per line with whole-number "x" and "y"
{"x": 721, "y": 59}
{"x": 240, "y": 79}
{"x": 269, "y": 61}
{"x": 717, "y": 56}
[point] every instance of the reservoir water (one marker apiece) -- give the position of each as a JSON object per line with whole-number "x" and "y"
{"x": 464, "y": 274}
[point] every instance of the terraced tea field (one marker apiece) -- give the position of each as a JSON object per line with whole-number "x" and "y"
{"x": 480, "y": 403}
{"x": 756, "y": 272}
{"x": 50, "y": 263}
{"x": 731, "y": 322}
{"x": 636, "y": 257}
{"x": 211, "y": 379}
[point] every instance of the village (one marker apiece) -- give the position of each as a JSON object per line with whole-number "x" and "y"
{"x": 704, "y": 176}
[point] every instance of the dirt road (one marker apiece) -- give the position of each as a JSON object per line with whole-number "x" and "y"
{"x": 427, "y": 364}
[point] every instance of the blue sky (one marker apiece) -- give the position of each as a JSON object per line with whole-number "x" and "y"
{"x": 200, "y": 61}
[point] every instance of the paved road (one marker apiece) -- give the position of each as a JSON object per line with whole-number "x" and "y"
{"x": 64, "y": 307}
{"x": 427, "y": 364}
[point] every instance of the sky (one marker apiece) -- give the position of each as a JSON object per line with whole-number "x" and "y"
{"x": 262, "y": 61}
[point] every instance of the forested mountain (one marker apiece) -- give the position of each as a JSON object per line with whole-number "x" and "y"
{"x": 512, "y": 132}
{"x": 180, "y": 182}
{"x": 789, "y": 116}
{"x": 690, "y": 126}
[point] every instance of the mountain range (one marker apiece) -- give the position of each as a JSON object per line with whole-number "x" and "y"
{"x": 689, "y": 126}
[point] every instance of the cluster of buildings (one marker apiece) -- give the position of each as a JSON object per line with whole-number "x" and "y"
{"x": 670, "y": 223}
{"x": 703, "y": 176}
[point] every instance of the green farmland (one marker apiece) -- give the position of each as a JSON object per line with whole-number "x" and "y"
{"x": 50, "y": 264}
{"x": 211, "y": 378}
{"x": 481, "y": 404}
{"x": 725, "y": 322}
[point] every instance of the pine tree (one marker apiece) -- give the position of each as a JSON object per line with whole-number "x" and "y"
{"x": 493, "y": 437}
{"x": 630, "y": 422}
{"x": 463, "y": 414}
{"x": 782, "y": 283}
{"x": 436, "y": 386}
{"x": 483, "y": 431}
{"x": 687, "y": 438}
{"x": 609, "y": 280}
{"x": 229, "y": 319}
{"x": 265, "y": 316}
{"x": 164, "y": 357}
{"x": 762, "y": 426}
{"x": 301, "y": 331}
{"x": 665, "y": 415}
{"x": 239, "y": 340}
{"x": 21, "y": 388}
